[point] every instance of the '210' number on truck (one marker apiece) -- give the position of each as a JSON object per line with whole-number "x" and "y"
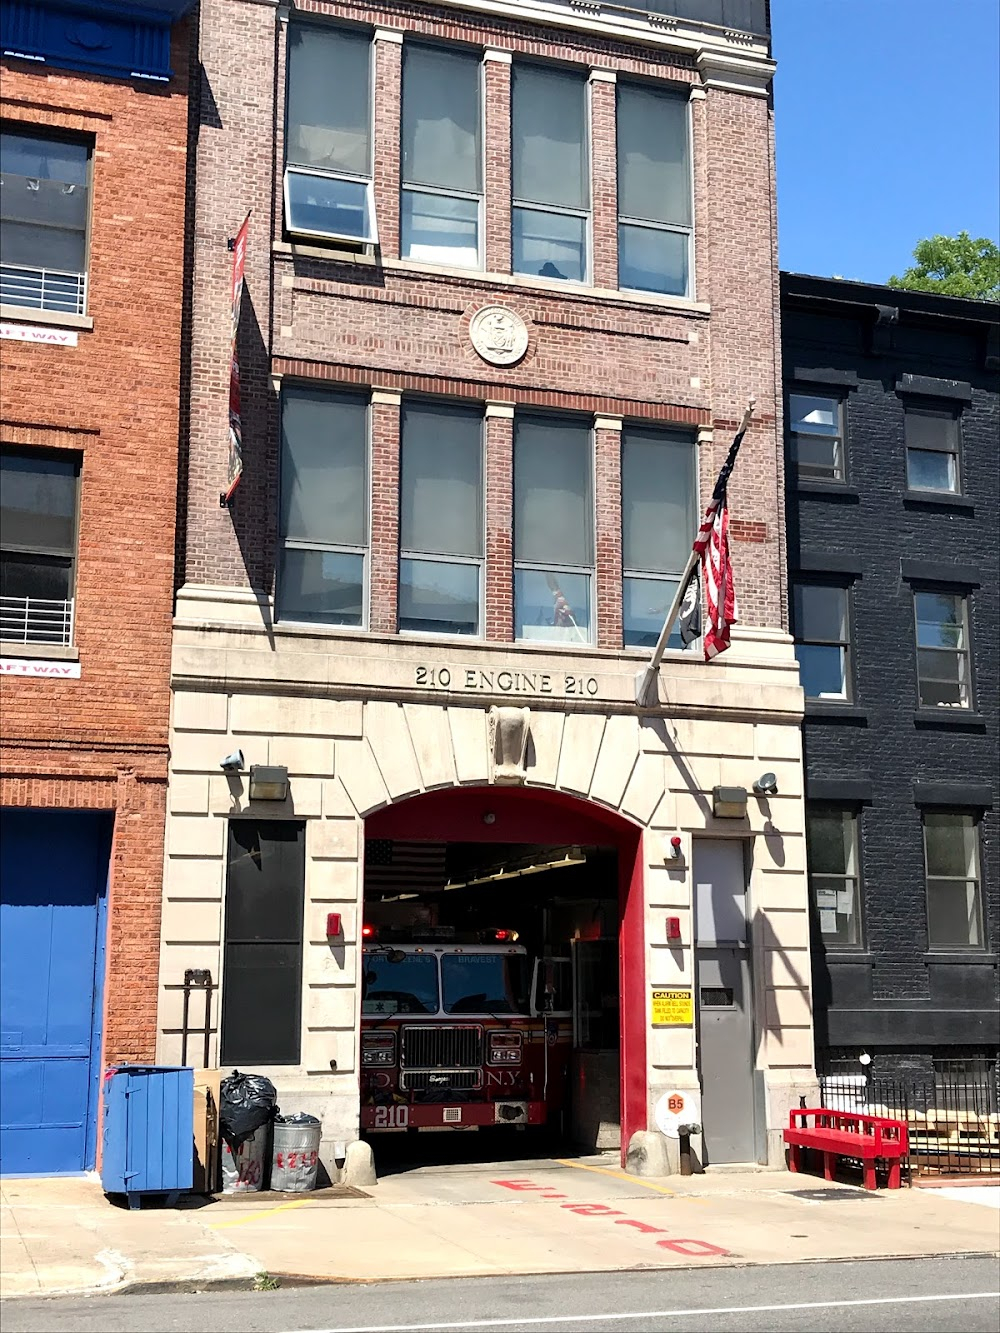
{"x": 391, "y": 1117}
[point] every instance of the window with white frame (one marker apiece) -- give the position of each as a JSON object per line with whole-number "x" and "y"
{"x": 328, "y": 135}
{"x": 943, "y": 666}
{"x": 816, "y": 435}
{"x": 551, "y": 180}
{"x": 659, "y": 484}
{"x": 441, "y": 519}
{"x": 324, "y": 507}
{"x": 553, "y": 529}
{"x": 442, "y": 166}
{"x": 38, "y": 517}
{"x": 823, "y": 640}
{"x": 951, "y": 859}
{"x": 832, "y": 839}
{"x": 654, "y": 191}
{"x": 44, "y": 211}
{"x": 932, "y": 450}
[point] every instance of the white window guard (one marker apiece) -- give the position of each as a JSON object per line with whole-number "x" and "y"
{"x": 43, "y": 289}
{"x": 36, "y": 620}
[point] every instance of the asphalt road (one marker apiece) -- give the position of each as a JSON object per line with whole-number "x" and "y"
{"x": 951, "y": 1295}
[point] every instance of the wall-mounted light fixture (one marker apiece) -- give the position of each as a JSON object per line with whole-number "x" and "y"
{"x": 766, "y": 785}
{"x": 268, "y": 782}
{"x": 729, "y": 802}
{"x": 233, "y": 763}
{"x": 675, "y": 848}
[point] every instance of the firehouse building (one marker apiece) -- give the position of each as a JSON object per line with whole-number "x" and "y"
{"x": 510, "y": 279}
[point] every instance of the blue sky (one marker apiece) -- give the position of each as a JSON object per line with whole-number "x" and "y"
{"x": 888, "y": 129}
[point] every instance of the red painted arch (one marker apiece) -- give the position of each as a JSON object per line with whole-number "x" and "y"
{"x": 529, "y": 814}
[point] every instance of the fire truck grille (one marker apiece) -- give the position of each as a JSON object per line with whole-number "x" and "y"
{"x": 442, "y": 1048}
{"x": 454, "y": 1080}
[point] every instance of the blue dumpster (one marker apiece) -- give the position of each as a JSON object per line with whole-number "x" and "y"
{"x": 148, "y": 1132}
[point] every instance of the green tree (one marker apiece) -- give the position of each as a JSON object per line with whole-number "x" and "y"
{"x": 954, "y": 266}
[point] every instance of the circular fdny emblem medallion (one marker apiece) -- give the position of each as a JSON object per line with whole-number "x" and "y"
{"x": 498, "y": 335}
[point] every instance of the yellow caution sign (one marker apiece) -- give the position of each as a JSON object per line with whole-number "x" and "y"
{"x": 673, "y": 1008}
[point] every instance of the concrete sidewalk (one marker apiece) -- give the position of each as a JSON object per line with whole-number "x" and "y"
{"x": 539, "y": 1216}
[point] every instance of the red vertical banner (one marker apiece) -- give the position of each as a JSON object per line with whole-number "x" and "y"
{"x": 235, "y": 423}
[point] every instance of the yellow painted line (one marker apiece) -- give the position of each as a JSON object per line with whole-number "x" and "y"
{"x": 623, "y": 1175}
{"x": 252, "y": 1217}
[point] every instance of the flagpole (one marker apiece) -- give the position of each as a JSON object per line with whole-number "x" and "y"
{"x": 645, "y": 678}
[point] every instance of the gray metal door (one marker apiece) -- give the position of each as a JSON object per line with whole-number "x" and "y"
{"x": 724, "y": 1002}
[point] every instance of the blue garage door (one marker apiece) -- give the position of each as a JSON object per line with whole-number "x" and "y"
{"x": 53, "y": 881}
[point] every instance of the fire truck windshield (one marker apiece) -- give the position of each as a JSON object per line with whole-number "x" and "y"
{"x": 491, "y": 983}
{"x": 399, "y": 983}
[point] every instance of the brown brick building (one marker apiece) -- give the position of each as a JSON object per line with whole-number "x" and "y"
{"x": 511, "y": 278}
{"x": 94, "y": 149}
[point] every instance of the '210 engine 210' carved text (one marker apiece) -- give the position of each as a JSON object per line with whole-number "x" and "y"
{"x": 506, "y": 682}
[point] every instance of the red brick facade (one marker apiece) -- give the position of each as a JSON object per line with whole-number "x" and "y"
{"x": 401, "y": 326}
{"x": 100, "y": 742}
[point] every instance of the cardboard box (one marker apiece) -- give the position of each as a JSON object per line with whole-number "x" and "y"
{"x": 206, "y": 1130}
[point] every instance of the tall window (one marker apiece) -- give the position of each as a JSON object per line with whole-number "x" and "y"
{"x": 441, "y": 520}
{"x": 44, "y": 208}
{"x": 553, "y": 530}
{"x": 817, "y": 436}
{"x": 328, "y": 158}
{"x": 551, "y": 180}
{"x": 38, "y": 502}
{"x": 654, "y": 191}
{"x": 262, "y": 972}
{"x": 832, "y": 837}
{"x": 932, "y": 451}
{"x": 943, "y": 675}
{"x": 951, "y": 858}
{"x": 324, "y": 507}
{"x": 658, "y": 518}
{"x": 442, "y": 156}
{"x": 822, "y": 640}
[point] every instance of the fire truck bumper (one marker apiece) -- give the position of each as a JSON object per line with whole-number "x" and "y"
{"x": 466, "y": 1115}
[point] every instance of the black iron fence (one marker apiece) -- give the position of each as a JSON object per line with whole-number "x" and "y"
{"x": 952, "y": 1114}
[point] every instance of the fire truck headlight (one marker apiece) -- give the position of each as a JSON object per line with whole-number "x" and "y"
{"x": 378, "y": 1049}
{"x": 505, "y": 1048}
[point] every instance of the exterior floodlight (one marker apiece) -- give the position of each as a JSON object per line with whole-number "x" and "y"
{"x": 729, "y": 802}
{"x": 268, "y": 782}
{"x": 766, "y": 785}
{"x": 233, "y": 763}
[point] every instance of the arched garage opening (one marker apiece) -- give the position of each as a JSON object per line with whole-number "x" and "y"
{"x": 453, "y": 1034}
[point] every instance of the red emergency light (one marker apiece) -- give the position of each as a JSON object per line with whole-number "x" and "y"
{"x": 502, "y": 936}
{"x": 367, "y": 932}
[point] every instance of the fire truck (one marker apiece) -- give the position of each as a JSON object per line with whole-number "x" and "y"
{"x": 461, "y": 1030}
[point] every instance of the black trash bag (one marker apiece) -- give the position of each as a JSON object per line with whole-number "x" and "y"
{"x": 246, "y": 1101}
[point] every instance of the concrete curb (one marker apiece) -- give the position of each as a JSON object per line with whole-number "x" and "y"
{"x": 194, "y": 1286}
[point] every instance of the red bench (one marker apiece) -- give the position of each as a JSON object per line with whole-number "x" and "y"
{"x": 844, "y": 1134}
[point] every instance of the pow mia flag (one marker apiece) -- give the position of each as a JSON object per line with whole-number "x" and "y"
{"x": 690, "y": 612}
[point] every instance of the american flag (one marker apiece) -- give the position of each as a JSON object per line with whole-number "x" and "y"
{"x": 712, "y": 545}
{"x": 403, "y": 867}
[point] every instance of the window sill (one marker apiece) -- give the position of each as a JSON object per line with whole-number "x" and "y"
{"x": 27, "y": 315}
{"x": 833, "y": 712}
{"x": 962, "y": 719}
{"x": 938, "y": 500}
{"x": 40, "y": 652}
{"x": 579, "y": 290}
{"x": 970, "y": 955}
{"x": 342, "y": 254}
{"x": 829, "y": 490}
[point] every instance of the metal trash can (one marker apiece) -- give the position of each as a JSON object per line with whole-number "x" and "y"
{"x": 243, "y": 1170}
{"x": 295, "y": 1155}
{"x": 148, "y": 1132}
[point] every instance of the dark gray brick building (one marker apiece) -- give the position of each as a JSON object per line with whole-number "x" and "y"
{"x": 891, "y": 411}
